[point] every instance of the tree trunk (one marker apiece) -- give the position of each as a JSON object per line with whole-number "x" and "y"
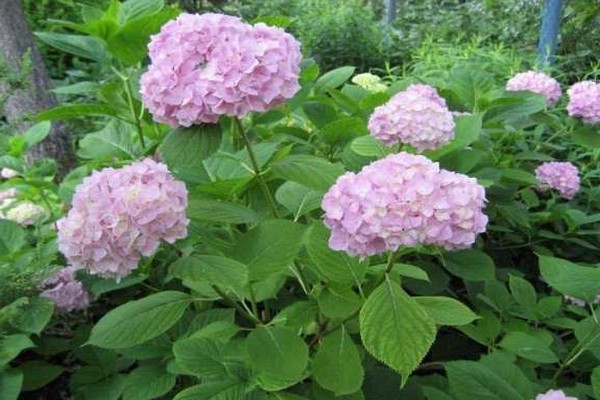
{"x": 16, "y": 39}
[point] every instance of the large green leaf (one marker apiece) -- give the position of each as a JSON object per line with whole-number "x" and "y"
{"x": 37, "y": 374}
{"x": 114, "y": 140}
{"x": 334, "y": 78}
{"x": 298, "y": 199}
{"x": 395, "y": 329}
{"x": 586, "y": 136}
{"x": 217, "y": 390}
{"x": 570, "y": 279}
{"x": 215, "y": 270}
{"x": 132, "y": 9}
{"x": 310, "y": 171}
{"x": 470, "y": 380}
{"x": 79, "y": 45}
{"x": 515, "y": 105}
{"x": 12, "y": 345}
{"x": 188, "y": 147}
{"x": 368, "y": 146}
{"x": 335, "y": 266}
{"x": 31, "y": 314}
{"x": 470, "y": 265}
{"x": 205, "y": 209}
{"x": 37, "y": 133}
{"x": 148, "y": 382}
{"x": 470, "y": 86}
{"x": 528, "y": 347}
{"x": 10, "y": 384}
{"x": 337, "y": 366}
{"x": 269, "y": 248}
{"x": 446, "y": 311}
{"x": 76, "y": 110}
{"x": 12, "y": 237}
{"x": 140, "y": 320}
{"x": 503, "y": 364}
{"x": 200, "y": 356}
{"x": 278, "y": 353}
{"x": 344, "y": 129}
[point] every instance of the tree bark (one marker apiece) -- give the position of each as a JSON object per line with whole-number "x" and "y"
{"x": 16, "y": 39}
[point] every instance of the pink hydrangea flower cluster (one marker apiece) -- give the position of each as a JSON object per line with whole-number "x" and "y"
{"x": 67, "y": 293}
{"x": 417, "y": 116}
{"x": 205, "y": 66}
{"x": 403, "y": 200}
{"x": 584, "y": 101}
{"x": 120, "y": 215}
{"x": 554, "y": 395}
{"x": 562, "y": 176}
{"x": 536, "y": 82}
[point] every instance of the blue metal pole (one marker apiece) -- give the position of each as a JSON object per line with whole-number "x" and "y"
{"x": 549, "y": 32}
{"x": 390, "y": 12}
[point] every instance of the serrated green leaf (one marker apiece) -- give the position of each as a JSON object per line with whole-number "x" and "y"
{"x": 470, "y": 265}
{"x": 528, "y": 347}
{"x": 446, "y": 311}
{"x": 140, "y": 320}
{"x": 148, "y": 382}
{"x": 10, "y": 384}
{"x": 79, "y": 45}
{"x": 310, "y": 171}
{"x": 395, "y": 329}
{"x": 473, "y": 380}
{"x": 569, "y": 278}
{"x": 334, "y": 78}
{"x": 37, "y": 374}
{"x": 204, "y": 209}
{"x": 215, "y": 270}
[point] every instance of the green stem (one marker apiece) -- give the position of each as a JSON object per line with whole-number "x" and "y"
{"x": 138, "y": 123}
{"x": 256, "y": 168}
{"x": 253, "y": 300}
{"x": 234, "y": 304}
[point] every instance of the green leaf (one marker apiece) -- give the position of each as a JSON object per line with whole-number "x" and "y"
{"x": 310, "y": 171}
{"x": 515, "y": 105}
{"x": 470, "y": 85}
{"x": 188, "y": 147}
{"x": 473, "y": 380}
{"x": 10, "y": 384}
{"x": 226, "y": 390}
{"x": 334, "y": 78}
{"x": 368, "y": 146}
{"x": 75, "y": 111}
{"x": 37, "y": 133}
{"x": 200, "y": 356}
{"x": 343, "y": 130}
{"x": 467, "y": 131}
{"x": 518, "y": 176}
{"x": 596, "y": 382}
{"x": 78, "y": 88}
{"x": 337, "y": 366}
{"x": 107, "y": 389}
{"x": 571, "y": 279}
{"x": 12, "y": 237}
{"x": 32, "y": 315}
{"x": 12, "y": 345}
{"x": 132, "y": 9}
{"x": 129, "y": 44}
{"x": 140, "y": 320}
{"x": 37, "y": 374}
{"x": 148, "y": 382}
{"x": 320, "y": 113}
{"x": 395, "y": 329}
{"x": 523, "y": 292}
{"x": 586, "y": 136}
{"x": 277, "y": 353}
{"x": 215, "y": 270}
{"x": 528, "y": 347}
{"x": 99, "y": 286}
{"x": 79, "y": 45}
{"x": 411, "y": 271}
{"x": 503, "y": 364}
{"x": 269, "y": 248}
{"x": 298, "y": 199}
{"x": 446, "y": 311}
{"x": 114, "y": 140}
{"x": 339, "y": 302}
{"x": 204, "y": 209}
{"x": 470, "y": 265}
{"x": 335, "y": 266}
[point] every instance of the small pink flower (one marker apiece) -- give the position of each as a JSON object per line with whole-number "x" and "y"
{"x": 554, "y": 395}
{"x": 67, "y": 293}
{"x": 403, "y": 200}
{"x": 205, "y": 66}
{"x": 562, "y": 176}
{"x": 120, "y": 215}
{"x": 584, "y": 101}
{"x": 536, "y": 82}
{"x": 417, "y": 116}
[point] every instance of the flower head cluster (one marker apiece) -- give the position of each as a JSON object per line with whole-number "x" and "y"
{"x": 66, "y": 291}
{"x": 536, "y": 82}
{"x": 417, "y": 116}
{"x": 8, "y": 173}
{"x": 403, "y": 200}
{"x": 120, "y": 215}
{"x": 562, "y": 176}
{"x": 25, "y": 213}
{"x": 205, "y": 66}
{"x": 554, "y": 395}
{"x": 584, "y": 101}
{"x": 369, "y": 82}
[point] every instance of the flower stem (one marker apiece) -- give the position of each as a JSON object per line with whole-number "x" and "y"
{"x": 138, "y": 123}
{"x": 234, "y": 304}
{"x": 256, "y": 167}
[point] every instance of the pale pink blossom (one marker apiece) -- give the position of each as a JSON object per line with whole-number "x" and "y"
{"x": 536, "y": 82}
{"x": 67, "y": 293}
{"x": 562, "y": 176}
{"x": 584, "y": 101}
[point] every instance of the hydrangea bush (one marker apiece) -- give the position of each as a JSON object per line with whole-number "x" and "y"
{"x": 243, "y": 226}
